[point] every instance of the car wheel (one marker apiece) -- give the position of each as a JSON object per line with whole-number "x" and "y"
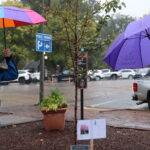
{"x": 130, "y": 77}
{"x": 97, "y": 78}
{"x": 22, "y": 80}
{"x": 114, "y": 77}
{"x": 28, "y": 82}
{"x": 148, "y": 99}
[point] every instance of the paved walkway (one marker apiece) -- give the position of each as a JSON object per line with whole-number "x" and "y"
{"x": 138, "y": 119}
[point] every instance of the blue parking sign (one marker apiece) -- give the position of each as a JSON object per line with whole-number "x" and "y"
{"x": 43, "y": 42}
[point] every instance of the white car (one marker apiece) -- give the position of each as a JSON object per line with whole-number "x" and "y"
{"x": 98, "y": 74}
{"x": 95, "y": 75}
{"x": 144, "y": 72}
{"x": 141, "y": 89}
{"x": 127, "y": 73}
{"x": 106, "y": 73}
{"x": 35, "y": 76}
{"x": 24, "y": 76}
{"x": 91, "y": 75}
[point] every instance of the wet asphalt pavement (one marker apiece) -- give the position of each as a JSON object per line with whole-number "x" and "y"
{"x": 103, "y": 94}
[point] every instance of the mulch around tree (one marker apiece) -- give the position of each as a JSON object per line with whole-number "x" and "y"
{"x": 33, "y": 136}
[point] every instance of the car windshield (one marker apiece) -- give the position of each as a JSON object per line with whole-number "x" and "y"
{"x": 21, "y": 72}
{"x": 97, "y": 71}
{"x": 105, "y": 70}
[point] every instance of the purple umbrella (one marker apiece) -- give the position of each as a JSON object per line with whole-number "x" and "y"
{"x": 131, "y": 49}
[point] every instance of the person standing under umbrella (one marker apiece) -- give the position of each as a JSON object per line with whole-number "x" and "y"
{"x": 11, "y": 73}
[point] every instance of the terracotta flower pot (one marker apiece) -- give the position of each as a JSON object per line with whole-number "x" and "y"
{"x": 54, "y": 120}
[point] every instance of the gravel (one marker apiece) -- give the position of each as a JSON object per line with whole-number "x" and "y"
{"x": 33, "y": 136}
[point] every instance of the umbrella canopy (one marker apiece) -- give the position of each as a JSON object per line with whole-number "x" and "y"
{"x": 131, "y": 49}
{"x": 13, "y": 17}
{"x": 138, "y": 26}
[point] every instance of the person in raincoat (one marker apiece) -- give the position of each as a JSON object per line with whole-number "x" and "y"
{"x": 11, "y": 73}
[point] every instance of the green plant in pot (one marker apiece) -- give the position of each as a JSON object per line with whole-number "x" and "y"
{"x": 53, "y": 108}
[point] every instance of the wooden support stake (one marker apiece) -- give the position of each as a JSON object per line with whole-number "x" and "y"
{"x": 91, "y": 144}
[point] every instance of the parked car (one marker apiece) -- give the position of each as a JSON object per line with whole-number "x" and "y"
{"x": 35, "y": 76}
{"x": 91, "y": 75}
{"x": 127, "y": 73}
{"x": 98, "y": 74}
{"x": 142, "y": 73}
{"x": 95, "y": 75}
{"x": 63, "y": 76}
{"x": 24, "y": 76}
{"x": 108, "y": 74}
{"x": 141, "y": 89}
{"x": 103, "y": 74}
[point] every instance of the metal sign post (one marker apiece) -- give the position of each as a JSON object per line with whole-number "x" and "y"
{"x": 41, "y": 96}
{"x": 82, "y": 77}
{"x": 82, "y": 103}
{"x": 43, "y": 44}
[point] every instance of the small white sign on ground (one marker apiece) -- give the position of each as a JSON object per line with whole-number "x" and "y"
{"x": 91, "y": 129}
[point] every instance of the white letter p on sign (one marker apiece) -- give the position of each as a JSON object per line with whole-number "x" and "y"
{"x": 39, "y": 44}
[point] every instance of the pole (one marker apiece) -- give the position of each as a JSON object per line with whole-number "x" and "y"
{"x": 4, "y": 33}
{"x": 76, "y": 69}
{"x": 41, "y": 76}
{"x": 41, "y": 96}
{"x": 82, "y": 103}
{"x": 91, "y": 144}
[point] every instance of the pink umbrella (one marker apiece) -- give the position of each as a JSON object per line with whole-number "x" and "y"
{"x": 14, "y": 17}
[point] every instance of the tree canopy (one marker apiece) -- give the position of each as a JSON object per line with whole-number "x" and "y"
{"x": 72, "y": 25}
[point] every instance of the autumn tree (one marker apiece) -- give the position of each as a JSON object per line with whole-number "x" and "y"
{"x": 79, "y": 25}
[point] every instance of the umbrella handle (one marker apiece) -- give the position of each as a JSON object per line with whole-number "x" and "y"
{"x": 4, "y": 34}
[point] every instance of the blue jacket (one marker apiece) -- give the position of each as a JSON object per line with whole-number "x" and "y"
{"x": 11, "y": 73}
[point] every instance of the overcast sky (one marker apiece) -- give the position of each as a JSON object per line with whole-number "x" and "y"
{"x": 135, "y": 8}
{"x": 2, "y": 1}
